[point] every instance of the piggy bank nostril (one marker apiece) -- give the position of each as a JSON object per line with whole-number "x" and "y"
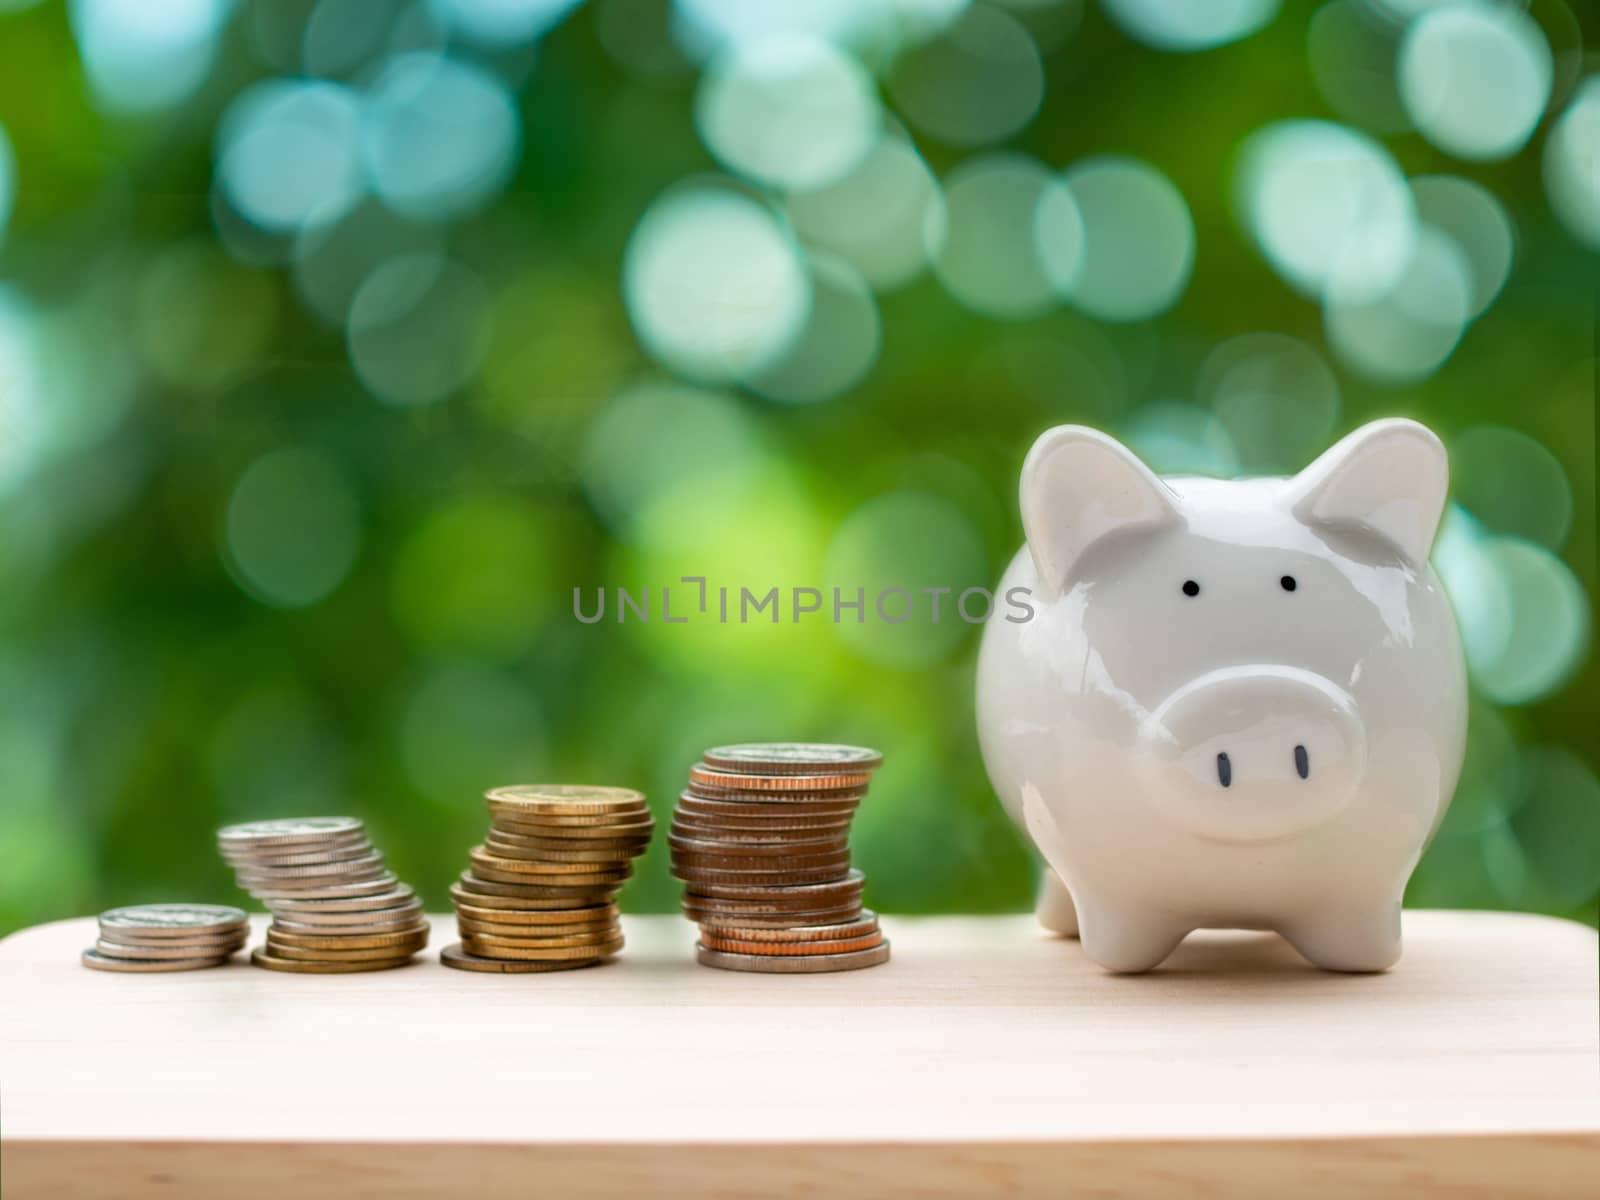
{"x": 1224, "y": 769}
{"x": 1302, "y": 762}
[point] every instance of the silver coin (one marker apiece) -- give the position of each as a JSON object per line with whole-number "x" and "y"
{"x": 104, "y": 962}
{"x": 301, "y": 856}
{"x": 162, "y": 953}
{"x": 318, "y": 890}
{"x": 398, "y": 918}
{"x": 286, "y": 832}
{"x": 371, "y": 861}
{"x": 174, "y": 920}
{"x": 792, "y": 964}
{"x": 791, "y": 758}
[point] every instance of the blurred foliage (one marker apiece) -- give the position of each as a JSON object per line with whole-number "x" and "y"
{"x": 317, "y": 407}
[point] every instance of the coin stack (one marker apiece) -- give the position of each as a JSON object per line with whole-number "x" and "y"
{"x": 540, "y": 893}
{"x": 167, "y": 937}
{"x": 761, "y": 841}
{"x": 336, "y": 907}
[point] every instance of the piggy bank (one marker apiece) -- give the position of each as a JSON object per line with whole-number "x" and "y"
{"x": 1234, "y": 704}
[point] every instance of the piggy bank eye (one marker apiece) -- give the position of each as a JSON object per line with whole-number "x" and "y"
{"x": 1191, "y": 588}
{"x": 1287, "y": 583}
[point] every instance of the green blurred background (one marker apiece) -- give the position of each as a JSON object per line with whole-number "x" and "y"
{"x": 340, "y": 340}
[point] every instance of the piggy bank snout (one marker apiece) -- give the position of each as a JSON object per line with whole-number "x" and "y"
{"x": 1254, "y": 753}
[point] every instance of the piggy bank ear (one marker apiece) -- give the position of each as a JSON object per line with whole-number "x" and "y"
{"x": 1388, "y": 478}
{"x": 1078, "y": 486}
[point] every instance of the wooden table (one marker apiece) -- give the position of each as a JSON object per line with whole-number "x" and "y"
{"x": 985, "y": 1058}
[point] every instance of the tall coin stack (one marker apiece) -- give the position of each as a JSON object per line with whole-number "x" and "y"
{"x": 336, "y": 907}
{"x": 761, "y": 842}
{"x": 539, "y": 895}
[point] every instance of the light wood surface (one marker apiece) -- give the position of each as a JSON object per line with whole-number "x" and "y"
{"x": 985, "y": 1058}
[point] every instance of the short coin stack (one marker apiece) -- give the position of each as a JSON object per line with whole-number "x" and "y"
{"x": 540, "y": 893}
{"x": 167, "y": 937}
{"x": 336, "y": 907}
{"x": 761, "y": 842}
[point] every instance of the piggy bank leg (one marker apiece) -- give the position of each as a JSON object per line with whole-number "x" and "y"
{"x": 1346, "y": 939}
{"x": 1055, "y": 910}
{"x": 1127, "y": 941}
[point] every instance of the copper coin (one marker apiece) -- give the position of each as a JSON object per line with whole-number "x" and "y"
{"x": 792, "y": 758}
{"x": 712, "y": 865}
{"x": 565, "y": 799}
{"x": 597, "y": 950}
{"x": 292, "y": 831}
{"x": 862, "y": 925}
{"x": 519, "y": 917}
{"x": 454, "y": 956}
{"x": 713, "y": 780}
{"x": 296, "y": 966}
{"x": 799, "y": 910}
{"x": 775, "y": 964}
{"x": 144, "y": 966}
{"x": 771, "y": 835}
{"x": 820, "y": 895}
{"x": 717, "y": 846}
{"x": 791, "y": 949}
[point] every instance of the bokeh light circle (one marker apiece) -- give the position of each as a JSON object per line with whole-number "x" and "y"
{"x": 1558, "y": 824}
{"x": 289, "y": 154}
{"x": 1137, "y": 240}
{"x": 1181, "y": 439}
{"x": 1406, "y": 333}
{"x": 1314, "y": 196}
{"x": 837, "y": 347}
{"x": 1572, "y": 164}
{"x": 874, "y": 216}
{"x": 715, "y": 286}
{"x": 141, "y": 57}
{"x": 790, "y": 111}
{"x": 1189, "y": 25}
{"x": 980, "y": 81}
{"x": 1275, "y": 395}
{"x": 1351, "y": 52}
{"x": 501, "y": 23}
{"x": 439, "y": 137}
{"x": 416, "y": 329}
{"x": 1475, "y": 78}
{"x": 1470, "y": 214}
{"x": 1512, "y": 484}
{"x": 985, "y": 249}
{"x": 329, "y": 263}
{"x": 909, "y": 540}
{"x": 293, "y": 527}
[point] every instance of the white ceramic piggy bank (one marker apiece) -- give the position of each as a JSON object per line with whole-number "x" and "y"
{"x": 1237, "y": 704}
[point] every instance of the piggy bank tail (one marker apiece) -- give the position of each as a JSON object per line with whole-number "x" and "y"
{"x": 1055, "y": 909}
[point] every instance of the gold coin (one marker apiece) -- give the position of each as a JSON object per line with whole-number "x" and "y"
{"x": 556, "y": 885}
{"x": 565, "y": 799}
{"x": 775, "y": 964}
{"x": 863, "y": 925}
{"x": 515, "y": 901}
{"x": 146, "y": 966}
{"x": 454, "y": 956}
{"x": 595, "y": 950}
{"x": 715, "y": 781}
{"x": 495, "y": 942}
{"x": 601, "y": 839}
{"x": 348, "y": 941}
{"x": 790, "y": 949}
{"x": 574, "y": 824}
{"x": 498, "y": 929}
{"x": 509, "y": 916}
{"x": 502, "y": 849}
{"x": 302, "y": 954}
{"x": 482, "y": 858}
{"x": 306, "y": 967}
{"x": 564, "y": 897}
